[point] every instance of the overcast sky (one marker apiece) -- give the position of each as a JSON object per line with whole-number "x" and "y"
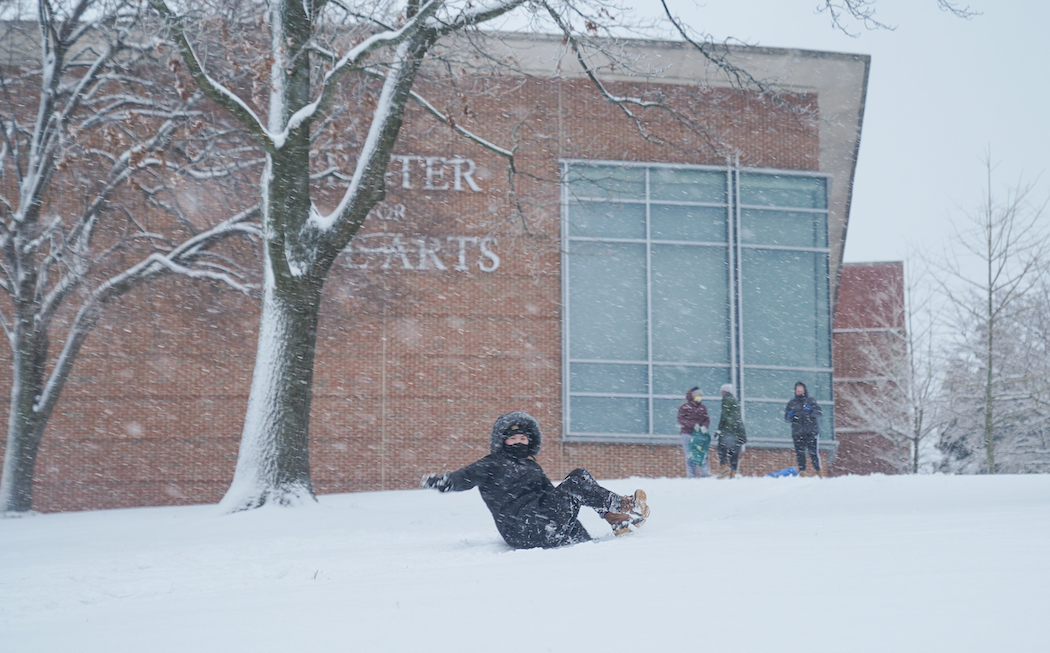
{"x": 942, "y": 91}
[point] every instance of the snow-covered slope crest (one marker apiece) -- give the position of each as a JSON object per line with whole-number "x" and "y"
{"x": 916, "y": 563}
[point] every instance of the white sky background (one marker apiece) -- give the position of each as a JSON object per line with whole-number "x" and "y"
{"x": 942, "y": 91}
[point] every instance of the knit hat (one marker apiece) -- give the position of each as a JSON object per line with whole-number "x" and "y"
{"x": 727, "y": 388}
{"x": 515, "y": 429}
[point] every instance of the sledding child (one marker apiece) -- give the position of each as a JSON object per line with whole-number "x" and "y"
{"x": 529, "y": 511}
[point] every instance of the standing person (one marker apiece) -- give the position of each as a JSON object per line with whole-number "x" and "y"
{"x": 731, "y": 435}
{"x": 803, "y": 412}
{"x": 692, "y": 417}
{"x": 529, "y": 511}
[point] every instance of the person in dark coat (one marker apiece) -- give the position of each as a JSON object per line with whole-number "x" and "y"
{"x": 529, "y": 511}
{"x": 692, "y": 417}
{"x": 731, "y": 434}
{"x": 803, "y": 412}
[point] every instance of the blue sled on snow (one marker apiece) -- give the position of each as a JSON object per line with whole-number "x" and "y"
{"x": 787, "y": 471}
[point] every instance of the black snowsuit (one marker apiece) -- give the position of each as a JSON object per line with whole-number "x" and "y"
{"x": 529, "y": 511}
{"x": 803, "y": 413}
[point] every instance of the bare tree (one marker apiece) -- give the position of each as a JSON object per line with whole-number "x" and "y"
{"x": 990, "y": 275}
{"x": 844, "y": 12}
{"x": 1021, "y": 395}
{"x": 924, "y": 372}
{"x": 90, "y": 157}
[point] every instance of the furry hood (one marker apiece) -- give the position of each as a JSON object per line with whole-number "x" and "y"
{"x": 526, "y": 423}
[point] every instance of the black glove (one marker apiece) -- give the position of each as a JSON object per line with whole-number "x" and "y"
{"x": 436, "y": 481}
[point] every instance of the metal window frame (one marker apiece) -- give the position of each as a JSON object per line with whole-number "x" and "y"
{"x": 733, "y": 208}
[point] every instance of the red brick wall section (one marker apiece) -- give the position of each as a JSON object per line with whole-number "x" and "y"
{"x": 867, "y": 343}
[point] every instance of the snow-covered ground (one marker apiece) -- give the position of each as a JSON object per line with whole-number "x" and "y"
{"x": 882, "y": 564}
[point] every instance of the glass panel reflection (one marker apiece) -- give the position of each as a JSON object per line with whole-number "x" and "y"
{"x": 606, "y": 220}
{"x": 608, "y": 314}
{"x": 608, "y": 415}
{"x": 606, "y": 182}
{"x": 763, "y": 189}
{"x": 609, "y": 378}
{"x": 676, "y": 379}
{"x": 688, "y": 185}
{"x": 690, "y": 304}
{"x": 784, "y": 302}
{"x": 705, "y": 224}
{"x": 784, "y": 228}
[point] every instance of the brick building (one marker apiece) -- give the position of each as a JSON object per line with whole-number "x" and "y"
{"x": 623, "y": 263}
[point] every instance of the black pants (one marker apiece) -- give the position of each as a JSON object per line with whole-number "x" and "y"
{"x": 806, "y": 443}
{"x": 728, "y": 454}
{"x": 559, "y": 508}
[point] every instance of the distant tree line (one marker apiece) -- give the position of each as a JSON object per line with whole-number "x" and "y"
{"x": 960, "y": 378}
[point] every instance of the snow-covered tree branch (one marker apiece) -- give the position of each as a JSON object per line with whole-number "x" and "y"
{"x": 999, "y": 262}
{"x": 89, "y": 141}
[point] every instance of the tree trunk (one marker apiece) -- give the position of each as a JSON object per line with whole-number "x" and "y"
{"x": 273, "y": 464}
{"x": 916, "y": 440}
{"x": 989, "y": 441}
{"x": 25, "y": 425}
{"x": 23, "y": 443}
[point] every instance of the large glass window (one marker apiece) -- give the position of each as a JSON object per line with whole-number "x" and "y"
{"x": 678, "y": 276}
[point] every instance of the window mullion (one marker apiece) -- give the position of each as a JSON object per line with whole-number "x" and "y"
{"x": 649, "y": 299}
{"x": 733, "y": 290}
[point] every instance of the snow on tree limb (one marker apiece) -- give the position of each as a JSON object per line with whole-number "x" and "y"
{"x": 475, "y": 15}
{"x": 354, "y": 58}
{"x": 177, "y": 261}
{"x": 214, "y": 90}
{"x": 46, "y": 133}
{"x": 445, "y": 120}
{"x": 740, "y": 77}
{"x": 80, "y": 233}
{"x": 80, "y": 117}
{"x": 620, "y": 101}
{"x": 384, "y": 125}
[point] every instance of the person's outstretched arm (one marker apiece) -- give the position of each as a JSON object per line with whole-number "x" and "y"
{"x": 464, "y": 478}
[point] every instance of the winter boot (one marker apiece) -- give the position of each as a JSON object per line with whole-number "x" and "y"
{"x": 637, "y": 511}
{"x": 727, "y": 473}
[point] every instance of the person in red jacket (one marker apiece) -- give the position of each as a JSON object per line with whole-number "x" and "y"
{"x": 692, "y": 417}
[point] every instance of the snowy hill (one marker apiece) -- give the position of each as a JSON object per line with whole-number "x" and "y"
{"x": 881, "y": 564}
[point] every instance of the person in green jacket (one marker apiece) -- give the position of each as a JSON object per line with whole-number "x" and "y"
{"x": 731, "y": 435}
